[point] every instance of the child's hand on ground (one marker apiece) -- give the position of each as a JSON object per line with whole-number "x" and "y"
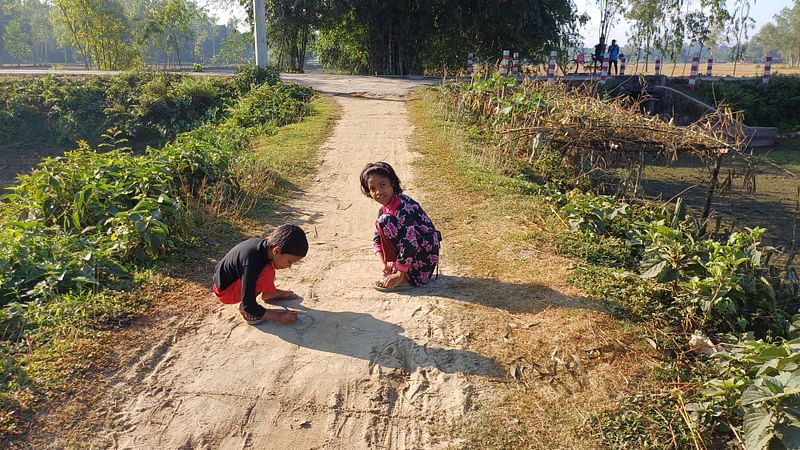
{"x": 389, "y": 268}
{"x": 283, "y": 317}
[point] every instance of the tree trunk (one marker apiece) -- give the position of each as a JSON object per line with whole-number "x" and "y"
{"x": 685, "y": 60}
{"x": 710, "y": 194}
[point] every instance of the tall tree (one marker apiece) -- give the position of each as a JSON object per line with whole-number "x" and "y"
{"x": 783, "y": 36}
{"x": 167, "y": 24}
{"x": 18, "y": 39}
{"x": 290, "y": 24}
{"x": 99, "y": 30}
{"x": 739, "y": 27}
{"x": 404, "y": 36}
{"x": 646, "y": 16}
{"x": 610, "y": 12}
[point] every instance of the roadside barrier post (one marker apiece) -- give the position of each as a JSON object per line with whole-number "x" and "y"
{"x": 470, "y": 62}
{"x": 515, "y": 65}
{"x": 709, "y": 70}
{"x": 693, "y": 73}
{"x": 504, "y": 65}
{"x": 622, "y": 64}
{"x": 767, "y": 70}
{"x": 551, "y": 67}
{"x": 658, "y": 67}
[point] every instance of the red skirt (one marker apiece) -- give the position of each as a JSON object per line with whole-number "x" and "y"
{"x": 233, "y": 293}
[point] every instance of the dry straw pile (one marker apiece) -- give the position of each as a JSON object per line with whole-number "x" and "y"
{"x": 583, "y": 126}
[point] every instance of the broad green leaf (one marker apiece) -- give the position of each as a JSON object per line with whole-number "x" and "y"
{"x": 755, "y": 394}
{"x": 655, "y": 270}
{"x": 768, "y": 353}
{"x": 774, "y": 384}
{"x": 757, "y": 428}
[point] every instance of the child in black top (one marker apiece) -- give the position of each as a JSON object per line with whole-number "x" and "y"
{"x": 248, "y": 269}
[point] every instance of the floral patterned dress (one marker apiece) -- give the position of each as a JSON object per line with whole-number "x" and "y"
{"x": 407, "y": 237}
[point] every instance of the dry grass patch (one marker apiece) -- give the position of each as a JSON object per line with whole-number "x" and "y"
{"x": 567, "y": 359}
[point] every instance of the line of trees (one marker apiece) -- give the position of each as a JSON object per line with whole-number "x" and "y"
{"x": 360, "y": 36}
{"x": 781, "y": 37}
{"x": 677, "y": 30}
{"x": 116, "y": 34}
{"x": 672, "y": 28}
{"x": 412, "y": 36}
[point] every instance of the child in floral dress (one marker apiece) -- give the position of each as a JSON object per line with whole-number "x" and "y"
{"x": 405, "y": 241}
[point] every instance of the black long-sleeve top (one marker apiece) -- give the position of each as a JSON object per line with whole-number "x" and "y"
{"x": 246, "y": 260}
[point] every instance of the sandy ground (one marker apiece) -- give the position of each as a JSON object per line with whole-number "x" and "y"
{"x": 363, "y": 369}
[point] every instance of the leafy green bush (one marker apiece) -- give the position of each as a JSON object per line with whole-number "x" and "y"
{"x": 146, "y": 108}
{"x": 248, "y": 76}
{"x": 609, "y": 251}
{"x": 758, "y": 385}
{"x": 626, "y": 293}
{"x": 275, "y": 105}
{"x": 70, "y": 223}
{"x": 774, "y": 105}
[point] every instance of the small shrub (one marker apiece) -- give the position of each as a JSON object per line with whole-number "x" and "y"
{"x": 627, "y": 294}
{"x": 249, "y": 76}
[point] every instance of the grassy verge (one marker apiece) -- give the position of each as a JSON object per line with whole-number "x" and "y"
{"x": 688, "y": 293}
{"x": 81, "y": 338}
{"x": 533, "y": 322}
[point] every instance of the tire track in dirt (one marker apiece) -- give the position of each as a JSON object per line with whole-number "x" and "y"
{"x": 363, "y": 370}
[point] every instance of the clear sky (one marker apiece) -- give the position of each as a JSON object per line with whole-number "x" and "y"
{"x": 762, "y": 11}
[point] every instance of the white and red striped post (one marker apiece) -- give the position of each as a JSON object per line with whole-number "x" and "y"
{"x": 604, "y": 72}
{"x": 470, "y": 62}
{"x": 767, "y": 70}
{"x": 622, "y": 64}
{"x": 658, "y": 67}
{"x": 515, "y": 65}
{"x": 709, "y": 68}
{"x": 551, "y": 67}
{"x": 506, "y": 60}
{"x": 693, "y": 73}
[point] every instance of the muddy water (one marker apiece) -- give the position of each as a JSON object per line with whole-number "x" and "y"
{"x": 771, "y": 203}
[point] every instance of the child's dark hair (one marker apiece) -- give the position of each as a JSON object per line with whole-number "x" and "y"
{"x": 383, "y": 169}
{"x": 289, "y": 239}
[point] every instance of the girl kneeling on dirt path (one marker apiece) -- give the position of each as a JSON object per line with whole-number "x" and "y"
{"x": 405, "y": 241}
{"x": 248, "y": 269}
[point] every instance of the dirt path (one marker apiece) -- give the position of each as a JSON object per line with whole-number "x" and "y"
{"x": 363, "y": 370}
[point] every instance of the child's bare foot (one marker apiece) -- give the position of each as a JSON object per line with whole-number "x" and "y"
{"x": 249, "y": 318}
{"x": 278, "y": 295}
{"x": 283, "y": 317}
{"x": 393, "y": 281}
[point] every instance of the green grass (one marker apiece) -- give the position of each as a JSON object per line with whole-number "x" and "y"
{"x": 293, "y": 151}
{"x": 786, "y": 154}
